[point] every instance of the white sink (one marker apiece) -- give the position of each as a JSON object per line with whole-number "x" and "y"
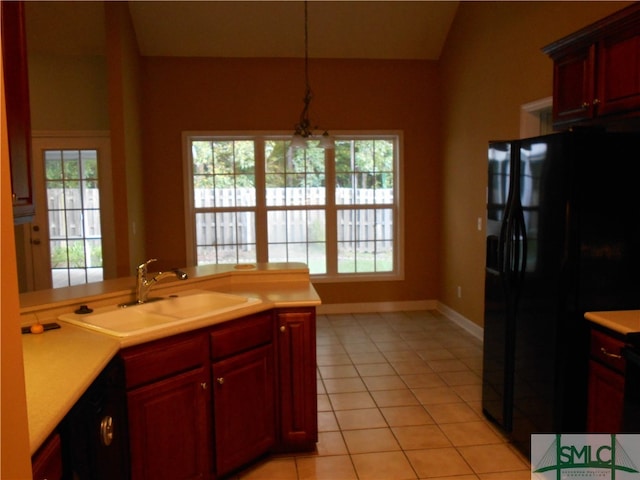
{"x": 163, "y": 313}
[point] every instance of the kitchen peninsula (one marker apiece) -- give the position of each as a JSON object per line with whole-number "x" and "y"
{"x": 61, "y": 364}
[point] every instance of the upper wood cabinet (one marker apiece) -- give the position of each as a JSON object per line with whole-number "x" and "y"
{"x": 16, "y": 84}
{"x": 596, "y": 75}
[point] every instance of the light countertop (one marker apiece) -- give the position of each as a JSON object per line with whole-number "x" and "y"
{"x": 61, "y": 364}
{"x": 621, "y": 321}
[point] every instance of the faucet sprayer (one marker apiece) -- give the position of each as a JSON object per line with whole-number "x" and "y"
{"x": 143, "y": 285}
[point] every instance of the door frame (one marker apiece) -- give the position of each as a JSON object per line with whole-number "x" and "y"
{"x": 51, "y": 140}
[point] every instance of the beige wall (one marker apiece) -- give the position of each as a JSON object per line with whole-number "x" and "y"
{"x": 491, "y": 65}
{"x": 182, "y": 94}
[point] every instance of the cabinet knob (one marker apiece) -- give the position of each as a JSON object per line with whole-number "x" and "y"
{"x": 106, "y": 430}
{"x": 596, "y": 101}
{"x": 203, "y": 385}
{"x": 585, "y": 105}
{"x": 283, "y": 328}
{"x": 220, "y": 380}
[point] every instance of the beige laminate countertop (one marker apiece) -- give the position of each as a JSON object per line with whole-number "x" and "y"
{"x": 61, "y": 364}
{"x": 621, "y": 321}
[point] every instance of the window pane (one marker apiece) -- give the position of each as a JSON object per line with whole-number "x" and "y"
{"x": 225, "y": 237}
{"x": 298, "y": 236}
{"x": 365, "y": 240}
{"x": 364, "y": 172}
{"x": 224, "y": 173}
{"x": 294, "y": 177}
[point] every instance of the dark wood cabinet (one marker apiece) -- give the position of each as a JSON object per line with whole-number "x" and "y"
{"x": 596, "y": 76}
{"x": 297, "y": 378}
{"x": 606, "y": 383}
{"x": 244, "y": 391}
{"x": 206, "y": 403}
{"x": 168, "y": 408}
{"x": 618, "y": 74}
{"x": 244, "y": 408}
{"x": 16, "y": 85}
{"x": 47, "y": 461}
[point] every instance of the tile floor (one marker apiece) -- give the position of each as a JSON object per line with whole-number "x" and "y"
{"x": 399, "y": 397}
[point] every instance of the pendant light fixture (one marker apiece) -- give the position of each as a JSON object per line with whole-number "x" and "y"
{"x": 303, "y": 129}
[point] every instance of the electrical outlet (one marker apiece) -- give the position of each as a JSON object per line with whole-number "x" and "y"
{"x": 459, "y": 291}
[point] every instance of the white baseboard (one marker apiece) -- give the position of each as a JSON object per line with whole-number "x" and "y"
{"x": 370, "y": 307}
{"x": 462, "y": 321}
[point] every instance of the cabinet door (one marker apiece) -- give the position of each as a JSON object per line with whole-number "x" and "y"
{"x": 169, "y": 428}
{"x": 619, "y": 73}
{"x": 297, "y": 377}
{"x": 573, "y": 86}
{"x": 47, "y": 461}
{"x": 243, "y": 408}
{"x": 606, "y": 399}
{"x": 16, "y": 84}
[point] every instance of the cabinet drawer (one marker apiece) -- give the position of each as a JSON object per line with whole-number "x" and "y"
{"x": 242, "y": 334}
{"x": 607, "y": 350}
{"x": 155, "y": 360}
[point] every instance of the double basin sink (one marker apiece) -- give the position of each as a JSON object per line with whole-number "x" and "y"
{"x": 159, "y": 313}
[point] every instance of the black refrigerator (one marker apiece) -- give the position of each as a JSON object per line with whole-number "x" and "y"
{"x": 563, "y": 238}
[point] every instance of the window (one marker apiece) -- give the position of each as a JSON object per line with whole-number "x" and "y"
{"x": 253, "y": 199}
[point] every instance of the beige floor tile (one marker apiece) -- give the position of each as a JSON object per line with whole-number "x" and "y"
{"x": 375, "y": 369}
{"x": 436, "y": 354}
{"x": 384, "y": 382}
{"x": 415, "y": 366}
{"x": 457, "y": 477}
{"x": 362, "y": 358}
{"x": 394, "y": 398}
{"x": 396, "y": 346}
{"x": 326, "y": 468}
{"x": 403, "y": 356}
{"x": 337, "y": 371}
{"x": 492, "y": 458}
{"x": 344, "y": 385}
{"x": 452, "y": 413}
{"x": 519, "y": 475}
{"x": 417, "y": 437}
{"x": 361, "y": 347}
{"x": 470, "y": 433}
{"x": 324, "y": 405}
{"x": 406, "y": 415}
{"x": 337, "y": 359}
{"x": 448, "y": 365}
{"x": 370, "y": 440}
{"x": 383, "y": 466}
{"x": 272, "y": 469}
{"x": 331, "y": 443}
{"x": 330, "y": 349}
{"x": 359, "y": 419}
{"x": 327, "y": 422}
{"x": 422, "y": 380}
{"x": 461, "y": 378}
{"x": 438, "y": 462}
{"x": 435, "y": 395}
{"x": 469, "y": 393}
{"x": 351, "y": 400}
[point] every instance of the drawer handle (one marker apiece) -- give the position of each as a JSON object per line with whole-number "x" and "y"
{"x": 609, "y": 354}
{"x": 106, "y": 430}
{"x": 283, "y": 328}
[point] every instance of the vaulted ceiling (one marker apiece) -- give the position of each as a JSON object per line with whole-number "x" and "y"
{"x": 337, "y": 29}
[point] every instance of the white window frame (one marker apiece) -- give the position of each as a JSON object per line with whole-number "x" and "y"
{"x": 330, "y": 208}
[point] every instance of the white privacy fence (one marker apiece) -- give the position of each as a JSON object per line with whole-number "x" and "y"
{"x": 364, "y": 216}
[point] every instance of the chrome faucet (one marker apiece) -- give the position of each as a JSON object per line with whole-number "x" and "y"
{"x": 143, "y": 284}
